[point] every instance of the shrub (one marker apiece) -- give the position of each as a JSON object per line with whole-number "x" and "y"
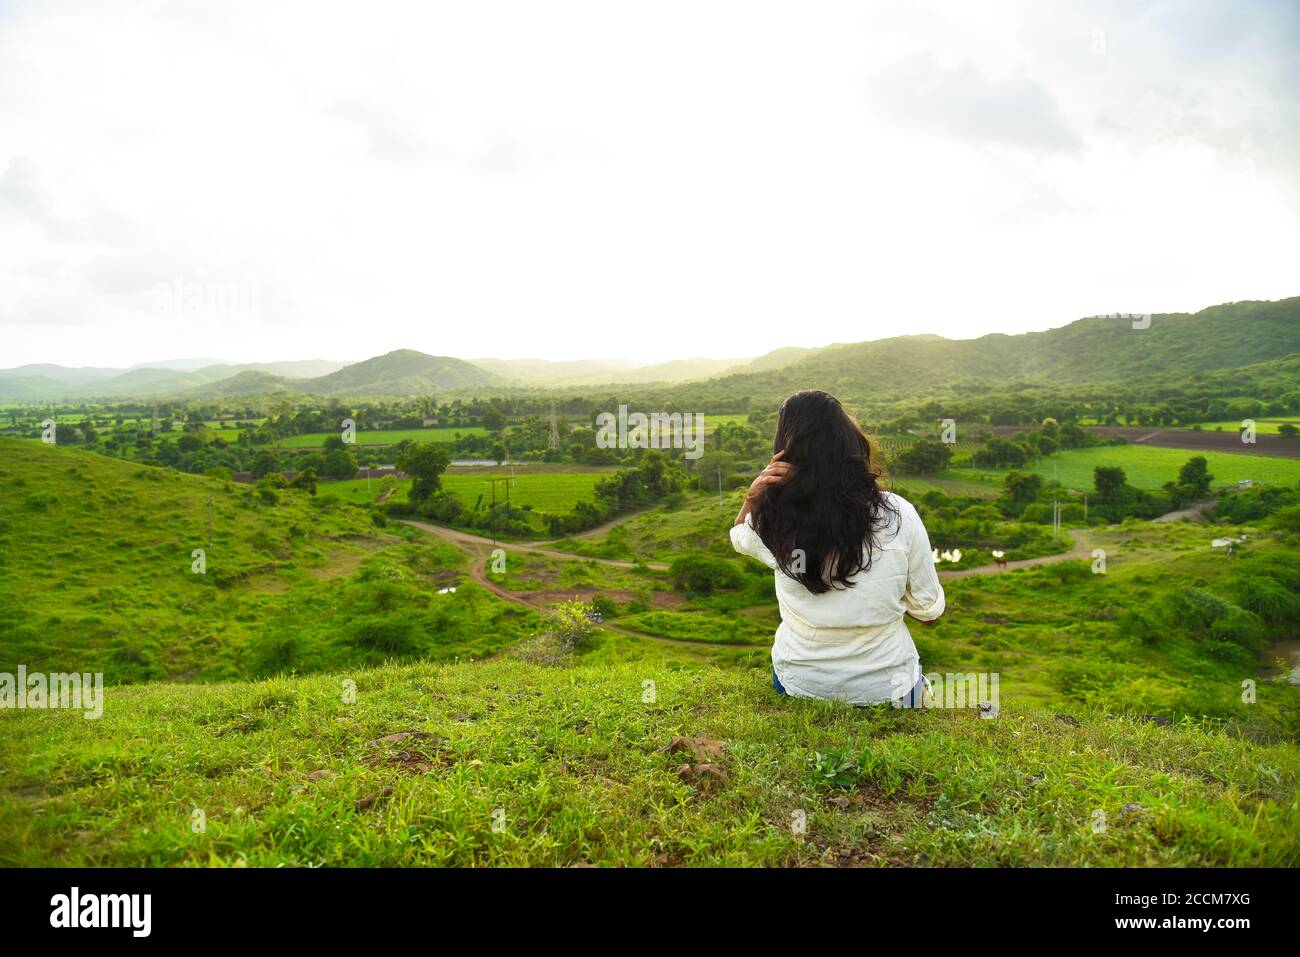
{"x": 391, "y": 635}
{"x": 568, "y": 622}
{"x": 701, "y": 574}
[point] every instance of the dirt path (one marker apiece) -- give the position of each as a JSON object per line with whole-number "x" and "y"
{"x": 478, "y": 544}
{"x": 480, "y": 550}
{"x": 1196, "y": 511}
{"x": 1078, "y": 551}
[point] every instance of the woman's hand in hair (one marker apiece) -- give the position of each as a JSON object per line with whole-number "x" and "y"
{"x": 774, "y": 473}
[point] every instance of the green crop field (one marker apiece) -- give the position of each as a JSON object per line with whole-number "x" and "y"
{"x": 546, "y": 491}
{"x": 1149, "y": 467}
{"x": 1263, "y": 426}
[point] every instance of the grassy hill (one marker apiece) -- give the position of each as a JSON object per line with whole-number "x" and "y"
{"x": 575, "y": 766}
{"x": 96, "y": 575}
{"x": 230, "y": 693}
{"x": 1088, "y": 352}
{"x": 402, "y": 372}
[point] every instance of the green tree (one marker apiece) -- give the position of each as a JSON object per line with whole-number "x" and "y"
{"x": 424, "y": 462}
{"x": 305, "y": 480}
{"x": 1109, "y": 481}
{"x": 340, "y": 464}
{"x": 923, "y": 457}
{"x": 264, "y": 465}
{"x": 1022, "y": 486}
{"x": 1195, "y": 475}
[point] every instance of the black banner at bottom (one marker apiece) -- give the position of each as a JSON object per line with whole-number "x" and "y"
{"x": 333, "y": 906}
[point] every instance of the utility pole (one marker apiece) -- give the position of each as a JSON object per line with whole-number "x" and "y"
{"x": 721, "y": 504}
{"x": 553, "y": 440}
{"x": 494, "y": 503}
{"x": 209, "y": 521}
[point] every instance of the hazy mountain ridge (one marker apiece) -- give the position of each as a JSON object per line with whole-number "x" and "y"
{"x": 1089, "y": 351}
{"x": 1093, "y": 350}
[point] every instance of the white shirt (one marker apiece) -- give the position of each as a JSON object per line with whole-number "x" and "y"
{"x": 851, "y": 643}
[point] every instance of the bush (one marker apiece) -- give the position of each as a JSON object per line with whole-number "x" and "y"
{"x": 569, "y": 623}
{"x": 390, "y": 635}
{"x": 701, "y": 574}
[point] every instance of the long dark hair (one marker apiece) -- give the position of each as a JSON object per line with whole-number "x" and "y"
{"x": 830, "y": 505}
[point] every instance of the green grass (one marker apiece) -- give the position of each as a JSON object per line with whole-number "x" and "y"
{"x": 96, "y": 574}
{"x": 1263, "y": 426}
{"x": 573, "y": 763}
{"x": 546, "y": 491}
{"x": 1149, "y": 468}
{"x": 949, "y": 482}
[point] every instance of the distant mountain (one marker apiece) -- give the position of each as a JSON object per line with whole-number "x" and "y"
{"x": 35, "y": 388}
{"x": 584, "y": 372}
{"x": 249, "y": 382}
{"x": 181, "y": 365}
{"x": 297, "y": 369}
{"x": 776, "y": 359}
{"x": 44, "y": 381}
{"x": 402, "y": 372}
{"x": 62, "y": 375}
{"x": 1088, "y": 352}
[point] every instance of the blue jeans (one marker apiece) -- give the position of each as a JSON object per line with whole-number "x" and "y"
{"x": 913, "y": 699}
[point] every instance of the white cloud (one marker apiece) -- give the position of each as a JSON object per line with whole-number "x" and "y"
{"x": 586, "y": 179}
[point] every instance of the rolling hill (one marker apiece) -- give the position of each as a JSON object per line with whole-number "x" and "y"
{"x": 401, "y": 372}
{"x": 1087, "y": 353}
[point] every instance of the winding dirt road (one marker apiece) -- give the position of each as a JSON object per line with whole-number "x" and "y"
{"x": 480, "y": 550}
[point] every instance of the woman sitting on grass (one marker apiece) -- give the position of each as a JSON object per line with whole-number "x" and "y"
{"x": 850, "y": 559}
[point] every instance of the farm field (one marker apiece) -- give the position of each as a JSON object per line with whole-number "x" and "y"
{"x": 947, "y": 481}
{"x": 1149, "y": 467}
{"x": 549, "y": 491}
{"x": 546, "y": 489}
{"x": 1263, "y": 426}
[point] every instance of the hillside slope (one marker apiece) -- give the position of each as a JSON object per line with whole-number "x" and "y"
{"x": 574, "y": 767}
{"x": 1086, "y": 353}
{"x": 401, "y": 372}
{"x": 96, "y": 574}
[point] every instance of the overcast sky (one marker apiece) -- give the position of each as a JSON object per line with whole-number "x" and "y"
{"x": 261, "y": 181}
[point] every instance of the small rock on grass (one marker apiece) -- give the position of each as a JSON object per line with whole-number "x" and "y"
{"x": 371, "y": 799}
{"x": 705, "y": 777}
{"x": 701, "y": 748}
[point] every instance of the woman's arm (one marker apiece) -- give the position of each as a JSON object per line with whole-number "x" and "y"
{"x": 924, "y": 597}
{"x": 773, "y": 474}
